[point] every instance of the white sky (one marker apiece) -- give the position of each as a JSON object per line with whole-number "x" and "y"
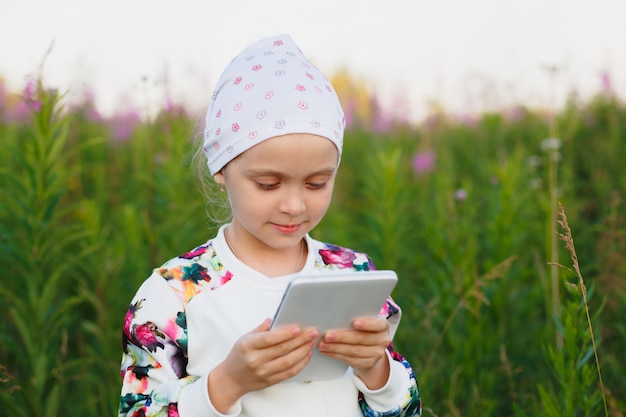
{"x": 467, "y": 54}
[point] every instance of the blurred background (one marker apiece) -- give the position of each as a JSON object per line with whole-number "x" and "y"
{"x": 483, "y": 161}
{"x": 467, "y": 56}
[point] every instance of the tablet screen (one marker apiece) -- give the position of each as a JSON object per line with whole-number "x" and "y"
{"x": 332, "y": 301}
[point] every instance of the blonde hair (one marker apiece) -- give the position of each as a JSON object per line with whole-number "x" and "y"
{"x": 217, "y": 206}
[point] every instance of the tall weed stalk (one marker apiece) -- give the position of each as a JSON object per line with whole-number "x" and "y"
{"x": 41, "y": 249}
{"x": 581, "y": 290}
{"x": 578, "y": 388}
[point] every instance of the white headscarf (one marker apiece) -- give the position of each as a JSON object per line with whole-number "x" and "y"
{"x": 270, "y": 89}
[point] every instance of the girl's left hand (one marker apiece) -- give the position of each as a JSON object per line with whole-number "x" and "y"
{"x": 362, "y": 347}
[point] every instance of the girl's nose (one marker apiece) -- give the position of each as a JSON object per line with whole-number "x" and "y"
{"x": 292, "y": 202}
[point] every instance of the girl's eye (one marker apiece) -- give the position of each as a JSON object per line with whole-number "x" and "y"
{"x": 267, "y": 186}
{"x": 316, "y": 185}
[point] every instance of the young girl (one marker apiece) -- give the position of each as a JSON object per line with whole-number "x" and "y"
{"x": 197, "y": 338}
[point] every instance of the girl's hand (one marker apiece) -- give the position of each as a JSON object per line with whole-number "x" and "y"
{"x": 363, "y": 348}
{"x": 258, "y": 360}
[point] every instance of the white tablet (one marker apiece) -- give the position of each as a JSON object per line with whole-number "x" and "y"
{"x": 332, "y": 301}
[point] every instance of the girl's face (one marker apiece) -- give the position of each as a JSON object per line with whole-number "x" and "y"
{"x": 279, "y": 190}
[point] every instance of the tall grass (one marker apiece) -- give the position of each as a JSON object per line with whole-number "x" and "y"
{"x": 85, "y": 215}
{"x": 581, "y": 289}
{"x": 41, "y": 249}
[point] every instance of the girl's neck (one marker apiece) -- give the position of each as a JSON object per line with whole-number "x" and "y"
{"x": 283, "y": 263}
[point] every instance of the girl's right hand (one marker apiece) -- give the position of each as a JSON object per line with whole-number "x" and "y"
{"x": 260, "y": 359}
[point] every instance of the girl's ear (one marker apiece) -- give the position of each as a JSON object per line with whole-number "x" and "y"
{"x": 219, "y": 179}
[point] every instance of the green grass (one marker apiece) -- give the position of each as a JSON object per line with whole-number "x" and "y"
{"x": 491, "y": 325}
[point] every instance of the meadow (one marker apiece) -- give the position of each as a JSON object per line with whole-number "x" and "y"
{"x": 508, "y": 233}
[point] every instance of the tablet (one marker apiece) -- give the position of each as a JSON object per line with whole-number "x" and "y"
{"x": 332, "y": 301}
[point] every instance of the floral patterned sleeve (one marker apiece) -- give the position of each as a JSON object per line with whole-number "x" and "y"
{"x": 333, "y": 256}
{"x": 155, "y": 352}
{"x": 412, "y": 404}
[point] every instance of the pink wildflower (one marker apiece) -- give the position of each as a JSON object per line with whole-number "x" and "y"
{"x": 123, "y": 125}
{"x": 607, "y": 83}
{"x": 460, "y": 194}
{"x": 31, "y": 96}
{"x": 423, "y": 162}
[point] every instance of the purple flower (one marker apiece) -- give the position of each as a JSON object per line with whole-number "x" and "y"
{"x": 423, "y": 162}
{"x": 30, "y": 89}
{"x": 381, "y": 122}
{"x": 401, "y": 110}
{"x": 169, "y": 105}
{"x": 468, "y": 119}
{"x": 31, "y": 96}
{"x": 607, "y": 83}
{"x": 13, "y": 109}
{"x": 433, "y": 121}
{"x": 516, "y": 113}
{"x": 460, "y": 194}
{"x": 350, "y": 113}
{"x": 123, "y": 125}
{"x": 89, "y": 107}
{"x": 3, "y": 94}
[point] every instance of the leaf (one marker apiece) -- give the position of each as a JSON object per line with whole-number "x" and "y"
{"x": 26, "y": 335}
{"x": 53, "y": 401}
{"x": 60, "y": 318}
{"x": 550, "y": 407}
{"x": 585, "y": 358}
{"x": 558, "y": 323}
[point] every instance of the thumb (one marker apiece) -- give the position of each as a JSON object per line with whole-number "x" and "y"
{"x": 263, "y": 327}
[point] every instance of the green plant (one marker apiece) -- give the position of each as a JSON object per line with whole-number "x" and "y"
{"x": 86, "y": 215}
{"x": 40, "y": 252}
